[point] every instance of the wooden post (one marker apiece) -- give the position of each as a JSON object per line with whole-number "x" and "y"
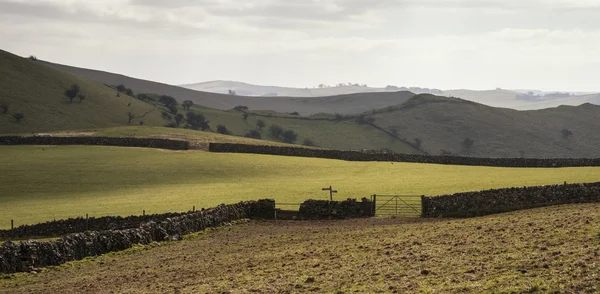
{"x": 12, "y": 227}
{"x": 144, "y": 212}
{"x": 331, "y": 191}
{"x": 194, "y": 208}
{"x": 396, "y": 205}
{"x": 374, "y": 204}
{"x": 87, "y": 222}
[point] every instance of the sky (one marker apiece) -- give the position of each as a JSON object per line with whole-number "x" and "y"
{"x": 548, "y": 45}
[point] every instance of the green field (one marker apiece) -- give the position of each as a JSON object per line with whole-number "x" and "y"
{"x": 40, "y": 183}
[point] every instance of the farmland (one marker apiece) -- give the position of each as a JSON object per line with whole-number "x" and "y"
{"x": 553, "y": 249}
{"x": 42, "y": 183}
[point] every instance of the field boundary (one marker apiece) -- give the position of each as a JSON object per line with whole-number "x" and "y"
{"x": 396, "y": 157}
{"x": 472, "y": 204}
{"x": 101, "y": 141}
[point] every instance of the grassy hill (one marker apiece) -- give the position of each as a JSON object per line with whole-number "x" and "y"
{"x": 545, "y": 250}
{"x": 344, "y": 104}
{"x": 37, "y": 92}
{"x": 445, "y": 123}
{"x": 122, "y": 181}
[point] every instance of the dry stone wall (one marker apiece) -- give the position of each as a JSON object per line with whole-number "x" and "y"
{"x": 29, "y": 255}
{"x": 394, "y": 157}
{"x": 324, "y": 209}
{"x": 502, "y": 200}
{"x": 103, "y": 141}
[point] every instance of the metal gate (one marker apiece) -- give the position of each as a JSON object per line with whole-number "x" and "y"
{"x": 402, "y": 205}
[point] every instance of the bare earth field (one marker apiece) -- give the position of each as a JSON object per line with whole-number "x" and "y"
{"x": 554, "y": 249}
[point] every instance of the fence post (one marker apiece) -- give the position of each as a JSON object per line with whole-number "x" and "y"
{"x": 423, "y": 206}
{"x": 144, "y": 212}
{"x": 194, "y": 208}
{"x": 396, "y": 204}
{"x": 12, "y": 227}
{"x": 87, "y": 222}
{"x": 374, "y": 204}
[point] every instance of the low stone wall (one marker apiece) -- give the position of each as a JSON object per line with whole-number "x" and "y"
{"x": 502, "y": 200}
{"x": 28, "y": 255}
{"x": 76, "y": 225}
{"x": 324, "y": 209}
{"x": 394, "y": 157}
{"x": 104, "y": 141}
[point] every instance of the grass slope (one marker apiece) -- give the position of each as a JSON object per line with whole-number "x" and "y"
{"x": 444, "y": 123}
{"x": 546, "y": 250}
{"x": 40, "y": 183}
{"x": 345, "y": 104}
{"x": 37, "y": 91}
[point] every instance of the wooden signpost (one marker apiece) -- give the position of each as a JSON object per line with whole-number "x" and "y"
{"x": 331, "y": 191}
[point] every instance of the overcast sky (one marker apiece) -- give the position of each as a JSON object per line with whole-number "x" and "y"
{"x": 446, "y": 44}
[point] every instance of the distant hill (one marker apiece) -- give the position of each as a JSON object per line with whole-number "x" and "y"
{"x": 444, "y": 125}
{"x": 343, "y": 104}
{"x": 37, "y": 91}
{"x": 223, "y": 87}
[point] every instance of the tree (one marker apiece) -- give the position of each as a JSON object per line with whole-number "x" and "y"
{"x": 33, "y": 57}
{"x": 72, "y": 92}
{"x": 254, "y": 134}
{"x": 566, "y": 133}
{"x": 81, "y": 97}
{"x": 260, "y": 124}
{"x": 275, "y": 131}
{"x": 231, "y": 92}
{"x": 18, "y": 116}
{"x": 179, "y": 118}
{"x": 197, "y": 121}
{"x": 308, "y": 142}
{"x": 4, "y": 108}
{"x": 173, "y": 109}
{"x": 141, "y": 122}
{"x": 245, "y": 116}
{"x": 131, "y": 116}
{"x": 221, "y": 129}
{"x": 187, "y": 104}
{"x": 166, "y": 115}
{"x": 468, "y": 143}
{"x": 289, "y": 136}
{"x": 167, "y": 101}
{"x": 295, "y": 113}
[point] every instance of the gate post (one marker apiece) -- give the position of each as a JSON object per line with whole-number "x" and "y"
{"x": 374, "y": 197}
{"x": 423, "y": 206}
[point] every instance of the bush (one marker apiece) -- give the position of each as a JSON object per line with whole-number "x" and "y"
{"x": 167, "y": 101}
{"x": 197, "y": 121}
{"x": 566, "y": 133}
{"x": 72, "y": 92}
{"x": 275, "y": 131}
{"x": 4, "y": 108}
{"x": 81, "y": 97}
{"x": 241, "y": 108}
{"x": 289, "y": 136}
{"x": 254, "y": 134}
{"x": 221, "y": 129}
{"x": 18, "y": 116}
{"x": 179, "y": 118}
{"x": 308, "y": 142}
{"x": 187, "y": 104}
{"x": 260, "y": 124}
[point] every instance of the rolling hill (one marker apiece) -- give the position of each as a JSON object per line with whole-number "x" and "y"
{"x": 442, "y": 123}
{"x": 37, "y": 92}
{"x": 344, "y": 104}
{"x": 510, "y": 99}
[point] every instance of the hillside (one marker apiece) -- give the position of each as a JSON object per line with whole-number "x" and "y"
{"x": 510, "y": 99}
{"x": 344, "y": 104}
{"x": 37, "y": 92}
{"x": 444, "y": 124}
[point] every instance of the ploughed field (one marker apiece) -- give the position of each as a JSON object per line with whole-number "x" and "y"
{"x": 41, "y": 183}
{"x": 552, "y": 249}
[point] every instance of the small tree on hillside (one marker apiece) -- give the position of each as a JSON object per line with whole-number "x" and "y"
{"x": 566, "y": 133}
{"x": 308, "y": 142}
{"x": 179, "y": 118}
{"x": 4, "y": 108}
{"x": 289, "y": 136}
{"x": 245, "y": 116}
{"x": 187, "y": 104}
{"x": 254, "y": 134}
{"x": 221, "y": 129}
{"x": 18, "y": 116}
{"x": 167, "y": 101}
{"x": 72, "y": 92}
{"x": 275, "y": 131}
{"x": 81, "y": 97}
{"x": 241, "y": 108}
{"x": 260, "y": 124}
{"x": 197, "y": 121}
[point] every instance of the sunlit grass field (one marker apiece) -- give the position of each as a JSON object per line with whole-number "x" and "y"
{"x": 40, "y": 183}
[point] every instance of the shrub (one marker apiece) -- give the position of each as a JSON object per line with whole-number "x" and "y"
{"x": 308, "y": 142}
{"x": 254, "y": 134}
{"x": 468, "y": 143}
{"x": 4, "y": 108}
{"x": 289, "y": 136}
{"x": 187, "y": 104}
{"x": 260, "y": 124}
{"x": 81, "y": 97}
{"x": 241, "y": 108}
{"x": 197, "y": 121}
{"x": 18, "y": 116}
{"x": 167, "y": 101}
{"x": 221, "y": 129}
{"x": 178, "y": 119}
{"x": 566, "y": 133}
{"x": 275, "y": 131}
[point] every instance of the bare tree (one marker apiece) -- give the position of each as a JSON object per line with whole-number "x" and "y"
{"x": 131, "y": 116}
{"x": 18, "y": 116}
{"x": 260, "y": 124}
{"x": 566, "y": 133}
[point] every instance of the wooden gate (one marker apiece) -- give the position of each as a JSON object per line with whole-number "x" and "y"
{"x": 402, "y": 205}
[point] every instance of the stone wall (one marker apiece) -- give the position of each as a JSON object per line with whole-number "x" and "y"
{"x": 502, "y": 200}
{"x": 324, "y": 209}
{"x": 394, "y": 157}
{"x": 29, "y": 255}
{"x": 104, "y": 141}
